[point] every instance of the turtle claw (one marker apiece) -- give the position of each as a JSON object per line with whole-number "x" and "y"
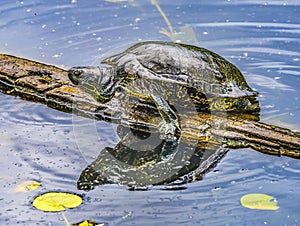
{"x": 169, "y": 130}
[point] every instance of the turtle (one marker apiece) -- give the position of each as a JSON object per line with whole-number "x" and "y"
{"x": 169, "y": 76}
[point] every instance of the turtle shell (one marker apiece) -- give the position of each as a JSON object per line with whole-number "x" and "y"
{"x": 193, "y": 66}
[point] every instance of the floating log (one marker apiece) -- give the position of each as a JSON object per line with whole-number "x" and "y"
{"x": 50, "y": 85}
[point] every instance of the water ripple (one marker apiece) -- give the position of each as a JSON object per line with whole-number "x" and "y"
{"x": 27, "y": 113}
{"x": 249, "y": 24}
{"x": 266, "y": 3}
{"x": 260, "y": 37}
{"x": 265, "y": 50}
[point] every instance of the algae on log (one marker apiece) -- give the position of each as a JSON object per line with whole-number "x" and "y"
{"x": 50, "y": 85}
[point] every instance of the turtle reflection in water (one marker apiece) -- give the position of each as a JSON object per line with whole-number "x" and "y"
{"x": 139, "y": 161}
{"x": 171, "y": 79}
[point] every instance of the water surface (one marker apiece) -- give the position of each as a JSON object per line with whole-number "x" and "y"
{"x": 42, "y": 144}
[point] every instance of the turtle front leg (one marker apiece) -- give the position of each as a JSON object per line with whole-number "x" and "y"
{"x": 169, "y": 126}
{"x": 170, "y": 122}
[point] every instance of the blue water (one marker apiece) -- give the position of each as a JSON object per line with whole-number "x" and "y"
{"x": 42, "y": 144}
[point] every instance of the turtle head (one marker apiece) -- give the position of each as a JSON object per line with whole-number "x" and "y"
{"x": 100, "y": 82}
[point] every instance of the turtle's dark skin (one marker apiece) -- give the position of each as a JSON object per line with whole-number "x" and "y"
{"x": 170, "y": 76}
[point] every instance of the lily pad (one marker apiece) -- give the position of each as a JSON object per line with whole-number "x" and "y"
{"x": 259, "y": 201}
{"x": 56, "y": 201}
{"x": 87, "y": 223}
{"x": 26, "y": 186}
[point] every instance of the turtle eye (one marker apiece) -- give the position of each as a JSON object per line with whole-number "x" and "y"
{"x": 156, "y": 68}
{"x": 74, "y": 75}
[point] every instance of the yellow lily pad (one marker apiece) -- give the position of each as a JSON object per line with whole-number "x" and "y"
{"x": 26, "y": 186}
{"x": 56, "y": 201}
{"x": 87, "y": 223}
{"x": 259, "y": 201}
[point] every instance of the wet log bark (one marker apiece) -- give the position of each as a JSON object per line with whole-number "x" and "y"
{"x": 50, "y": 85}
